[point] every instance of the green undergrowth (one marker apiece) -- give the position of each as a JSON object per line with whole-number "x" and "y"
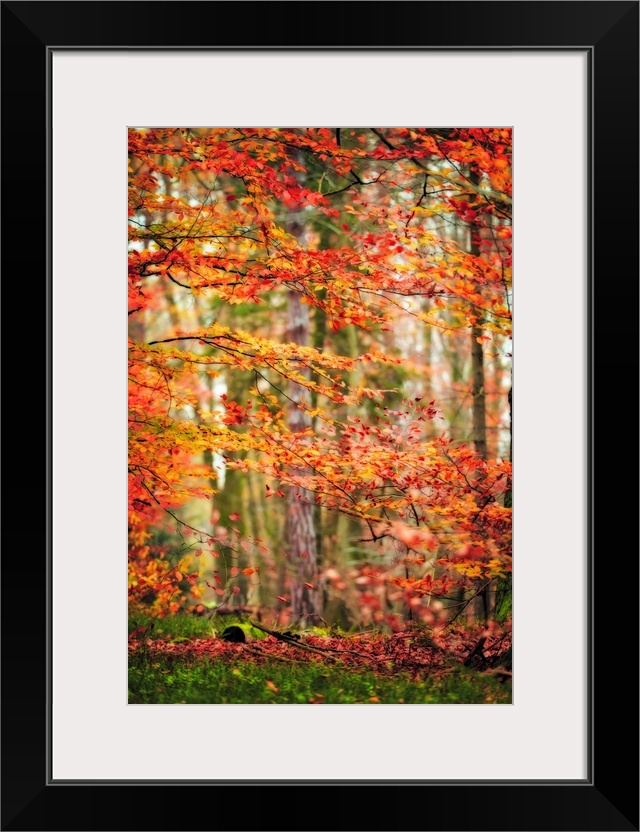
{"x": 181, "y": 679}
{"x": 184, "y": 627}
{"x": 169, "y": 680}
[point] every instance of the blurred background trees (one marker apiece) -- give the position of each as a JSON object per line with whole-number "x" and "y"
{"x": 320, "y": 363}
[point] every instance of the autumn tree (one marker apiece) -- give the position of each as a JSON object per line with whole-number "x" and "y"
{"x": 228, "y": 220}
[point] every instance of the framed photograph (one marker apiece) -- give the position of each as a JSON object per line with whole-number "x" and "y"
{"x": 312, "y": 191}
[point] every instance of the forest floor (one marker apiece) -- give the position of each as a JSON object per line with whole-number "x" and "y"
{"x": 186, "y": 660}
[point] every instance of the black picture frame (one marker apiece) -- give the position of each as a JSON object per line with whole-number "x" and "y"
{"x": 608, "y": 798}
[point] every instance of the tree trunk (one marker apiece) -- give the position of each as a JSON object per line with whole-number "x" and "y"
{"x": 478, "y": 395}
{"x": 504, "y": 585}
{"x": 477, "y": 366}
{"x": 301, "y": 535}
{"x": 319, "y": 333}
{"x": 302, "y": 552}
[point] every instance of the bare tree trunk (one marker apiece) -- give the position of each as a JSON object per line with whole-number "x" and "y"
{"x": 478, "y": 393}
{"x": 479, "y": 407}
{"x": 479, "y": 413}
{"x": 248, "y": 586}
{"x": 301, "y": 535}
{"x": 317, "y": 338}
{"x": 504, "y": 585}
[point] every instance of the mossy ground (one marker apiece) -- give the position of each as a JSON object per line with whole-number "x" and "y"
{"x": 239, "y": 676}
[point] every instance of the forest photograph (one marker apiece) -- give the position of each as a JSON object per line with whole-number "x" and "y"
{"x": 319, "y": 415}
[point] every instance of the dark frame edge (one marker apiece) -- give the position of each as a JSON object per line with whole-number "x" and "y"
{"x": 590, "y": 434}
{"x": 603, "y": 801}
{"x": 614, "y": 100}
{"x": 49, "y": 406}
